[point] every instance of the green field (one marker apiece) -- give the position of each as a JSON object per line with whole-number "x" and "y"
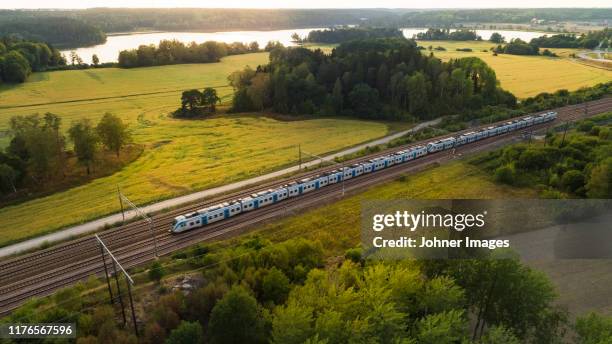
{"x": 179, "y": 156}
{"x": 527, "y": 76}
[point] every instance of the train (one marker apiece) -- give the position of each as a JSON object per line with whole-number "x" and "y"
{"x": 223, "y": 211}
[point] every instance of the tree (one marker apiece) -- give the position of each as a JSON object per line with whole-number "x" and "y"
{"x": 156, "y": 271}
{"x": 8, "y": 177}
{"x": 113, "y": 132}
{"x": 416, "y": 85}
{"x": 190, "y": 100}
{"x": 210, "y": 99}
{"x": 296, "y": 38}
{"x": 442, "y": 328}
{"x": 599, "y": 184}
{"x": 15, "y": 67}
{"x": 186, "y": 333}
{"x": 85, "y": 140}
{"x": 504, "y": 291}
{"x": 337, "y": 96}
{"x": 364, "y": 100}
{"x": 42, "y": 142}
{"x": 292, "y": 324}
{"x": 95, "y": 60}
{"x": 275, "y": 286}
{"x": 236, "y": 319}
{"x": 496, "y": 37}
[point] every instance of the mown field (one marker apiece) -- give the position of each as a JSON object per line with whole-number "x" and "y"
{"x": 179, "y": 156}
{"x": 527, "y": 76}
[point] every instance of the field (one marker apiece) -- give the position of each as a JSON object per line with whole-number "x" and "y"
{"x": 527, "y": 76}
{"x": 179, "y": 156}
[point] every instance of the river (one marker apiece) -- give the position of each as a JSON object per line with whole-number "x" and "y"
{"x": 109, "y": 51}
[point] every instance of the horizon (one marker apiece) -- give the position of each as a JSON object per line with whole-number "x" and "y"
{"x": 297, "y": 5}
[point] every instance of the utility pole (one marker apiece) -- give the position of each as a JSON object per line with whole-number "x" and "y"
{"x": 145, "y": 217}
{"x": 300, "y": 157}
{"x": 128, "y": 280}
{"x": 121, "y": 203}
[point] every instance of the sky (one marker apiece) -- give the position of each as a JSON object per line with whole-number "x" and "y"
{"x": 31, "y": 4}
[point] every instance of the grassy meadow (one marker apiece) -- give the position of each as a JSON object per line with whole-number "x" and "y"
{"x": 179, "y": 155}
{"x": 527, "y": 76}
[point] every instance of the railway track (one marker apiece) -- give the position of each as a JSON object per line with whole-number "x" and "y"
{"x": 42, "y": 272}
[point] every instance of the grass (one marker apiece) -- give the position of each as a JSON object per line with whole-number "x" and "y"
{"x": 179, "y": 155}
{"x": 527, "y": 76}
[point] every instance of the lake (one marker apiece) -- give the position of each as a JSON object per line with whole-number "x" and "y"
{"x": 109, "y": 51}
{"x": 486, "y": 34}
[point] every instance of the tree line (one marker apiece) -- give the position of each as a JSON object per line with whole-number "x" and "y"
{"x": 375, "y": 78}
{"x": 57, "y": 30}
{"x": 37, "y": 151}
{"x": 589, "y": 40}
{"x": 19, "y": 58}
{"x": 433, "y": 34}
{"x": 173, "y": 19}
{"x": 175, "y": 52}
{"x": 343, "y": 34}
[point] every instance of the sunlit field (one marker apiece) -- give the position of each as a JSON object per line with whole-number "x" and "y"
{"x": 179, "y": 156}
{"x": 527, "y": 76}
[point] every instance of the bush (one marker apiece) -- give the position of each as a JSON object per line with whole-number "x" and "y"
{"x": 156, "y": 271}
{"x": 572, "y": 181}
{"x": 186, "y": 333}
{"x": 505, "y": 174}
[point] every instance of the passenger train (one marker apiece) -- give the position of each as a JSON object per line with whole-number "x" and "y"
{"x": 226, "y": 210}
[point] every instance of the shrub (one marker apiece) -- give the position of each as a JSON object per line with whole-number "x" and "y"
{"x": 505, "y": 174}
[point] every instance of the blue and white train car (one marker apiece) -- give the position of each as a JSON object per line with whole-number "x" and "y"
{"x": 334, "y": 177}
{"x": 435, "y": 146}
{"x": 307, "y": 185}
{"x": 368, "y": 167}
{"x": 323, "y": 180}
{"x": 378, "y": 163}
{"x": 356, "y": 170}
{"x": 420, "y": 151}
{"x": 448, "y": 142}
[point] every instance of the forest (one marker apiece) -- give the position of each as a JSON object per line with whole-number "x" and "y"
{"x": 456, "y": 17}
{"x": 19, "y": 58}
{"x": 374, "y": 79}
{"x": 175, "y": 52}
{"x": 257, "y": 291}
{"x": 344, "y": 34}
{"x": 446, "y": 35}
{"x": 59, "y": 31}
